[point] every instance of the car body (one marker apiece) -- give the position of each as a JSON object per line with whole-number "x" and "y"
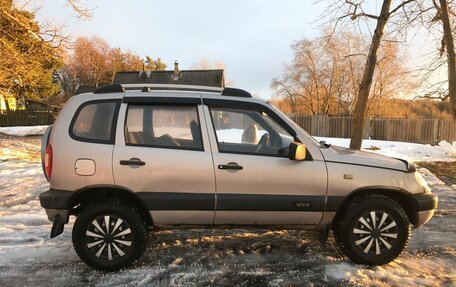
{"x": 187, "y": 157}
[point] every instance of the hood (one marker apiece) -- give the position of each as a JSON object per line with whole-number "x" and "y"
{"x": 349, "y": 156}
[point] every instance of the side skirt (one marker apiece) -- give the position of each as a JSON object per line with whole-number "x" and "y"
{"x": 159, "y": 227}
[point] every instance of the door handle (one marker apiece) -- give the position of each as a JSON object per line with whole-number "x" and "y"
{"x": 132, "y": 161}
{"x": 230, "y": 165}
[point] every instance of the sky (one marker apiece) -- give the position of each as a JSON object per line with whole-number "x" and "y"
{"x": 251, "y": 37}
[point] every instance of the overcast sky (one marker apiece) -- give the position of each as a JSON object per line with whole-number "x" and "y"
{"x": 251, "y": 37}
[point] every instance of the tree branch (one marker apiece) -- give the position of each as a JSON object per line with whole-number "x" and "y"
{"x": 400, "y": 6}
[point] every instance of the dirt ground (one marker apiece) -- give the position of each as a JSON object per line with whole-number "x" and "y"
{"x": 445, "y": 171}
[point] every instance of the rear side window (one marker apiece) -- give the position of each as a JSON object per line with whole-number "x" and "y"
{"x": 163, "y": 126}
{"x": 95, "y": 122}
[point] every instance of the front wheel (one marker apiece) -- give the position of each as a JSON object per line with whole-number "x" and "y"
{"x": 373, "y": 230}
{"x": 109, "y": 236}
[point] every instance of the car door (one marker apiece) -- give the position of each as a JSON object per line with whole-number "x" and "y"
{"x": 256, "y": 182}
{"x": 163, "y": 155}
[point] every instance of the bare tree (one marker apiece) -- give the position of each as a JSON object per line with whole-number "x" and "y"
{"x": 206, "y": 64}
{"x": 444, "y": 14}
{"x": 324, "y": 75}
{"x": 316, "y": 82}
{"x": 356, "y": 11}
{"x": 437, "y": 18}
{"x": 93, "y": 62}
{"x": 80, "y": 8}
{"x": 391, "y": 79}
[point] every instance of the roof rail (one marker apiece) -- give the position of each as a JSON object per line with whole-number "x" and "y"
{"x": 120, "y": 88}
{"x": 115, "y": 88}
{"x": 232, "y": 92}
{"x": 152, "y": 87}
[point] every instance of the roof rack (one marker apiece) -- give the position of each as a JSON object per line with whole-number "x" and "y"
{"x": 120, "y": 88}
{"x": 115, "y": 88}
{"x": 154, "y": 87}
{"x": 232, "y": 92}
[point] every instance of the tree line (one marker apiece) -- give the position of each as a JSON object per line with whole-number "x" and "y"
{"x": 93, "y": 62}
{"x": 37, "y": 60}
{"x": 324, "y": 74}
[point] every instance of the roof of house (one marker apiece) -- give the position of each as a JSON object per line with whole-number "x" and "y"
{"x": 209, "y": 78}
{"x": 57, "y": 100}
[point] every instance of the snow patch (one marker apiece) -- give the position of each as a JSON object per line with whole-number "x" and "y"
{"x": 22, "y": 131}
{"x": 340, "y": 271}
{"x": 412, "y": 152}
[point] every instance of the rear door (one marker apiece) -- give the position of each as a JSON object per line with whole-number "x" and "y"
{"x": 163, "y": 155}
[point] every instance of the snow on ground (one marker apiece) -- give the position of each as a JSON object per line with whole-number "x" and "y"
{"x": 205, "y": 257}
{"x": 413, "y": 152}
{"x": 23, "y": 130}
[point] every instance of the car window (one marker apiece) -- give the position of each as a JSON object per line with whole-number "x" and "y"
{"x": 251, "y": 132}
{"x": 163, "y": 126}
{"x": 94, "y": 122}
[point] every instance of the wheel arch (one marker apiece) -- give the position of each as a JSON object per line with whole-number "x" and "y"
{"x": 95, "y": 194}
{"x": 401, "y": 196}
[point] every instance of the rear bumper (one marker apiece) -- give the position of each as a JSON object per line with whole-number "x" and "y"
{"x": 56, "y": 203}
{"x": 55, "y": 199}
{"x": 425, "y": 205}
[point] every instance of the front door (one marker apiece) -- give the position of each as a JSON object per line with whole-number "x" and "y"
{"x": 164, "y": 156}
{"x": 256, "y": 183}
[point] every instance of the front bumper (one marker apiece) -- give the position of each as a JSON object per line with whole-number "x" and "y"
{"x": 425, "y": 205}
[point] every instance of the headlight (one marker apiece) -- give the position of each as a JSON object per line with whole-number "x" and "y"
{"x": 422, "y": 182}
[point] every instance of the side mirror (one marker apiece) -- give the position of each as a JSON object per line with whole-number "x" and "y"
{"x": 297, "y": 151}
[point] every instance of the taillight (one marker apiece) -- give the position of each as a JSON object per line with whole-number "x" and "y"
{"x": 48, "y": 162}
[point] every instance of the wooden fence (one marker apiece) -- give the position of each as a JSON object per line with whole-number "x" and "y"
{"x": 26, "y": 118}
{"x": 407, "y": 130}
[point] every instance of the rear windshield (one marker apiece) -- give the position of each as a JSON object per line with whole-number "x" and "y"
{"x": 95, "y": 122}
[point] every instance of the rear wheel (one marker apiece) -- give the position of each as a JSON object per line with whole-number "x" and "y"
{"x": 373, "y": 230}
{"x": 109, "y": 236}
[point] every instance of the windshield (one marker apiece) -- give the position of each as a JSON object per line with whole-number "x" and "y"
{"x": 295, "y": 125}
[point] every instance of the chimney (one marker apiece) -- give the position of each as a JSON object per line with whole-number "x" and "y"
{"x": 177, "y": 73}
{"x": 176, "y": 69}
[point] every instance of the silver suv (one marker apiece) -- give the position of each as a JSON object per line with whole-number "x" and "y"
{"x": 126, "y": 162}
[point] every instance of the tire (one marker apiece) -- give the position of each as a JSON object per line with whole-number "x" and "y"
{"x": 116, "y": 247}
{"x": 364, "y": 243}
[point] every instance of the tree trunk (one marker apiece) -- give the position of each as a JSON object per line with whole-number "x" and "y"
{"x": 448, "y": 36}
{"x": 366, "y": 82}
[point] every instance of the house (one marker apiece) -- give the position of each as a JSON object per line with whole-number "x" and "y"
{"x": 34, "y": 105}
{"x": 11, "y": 103}
{"x": 207, "y": 78}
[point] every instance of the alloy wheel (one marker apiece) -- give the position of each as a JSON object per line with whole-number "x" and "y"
{"x": 108, "y": 237}
{"x": 375, "y": 232}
